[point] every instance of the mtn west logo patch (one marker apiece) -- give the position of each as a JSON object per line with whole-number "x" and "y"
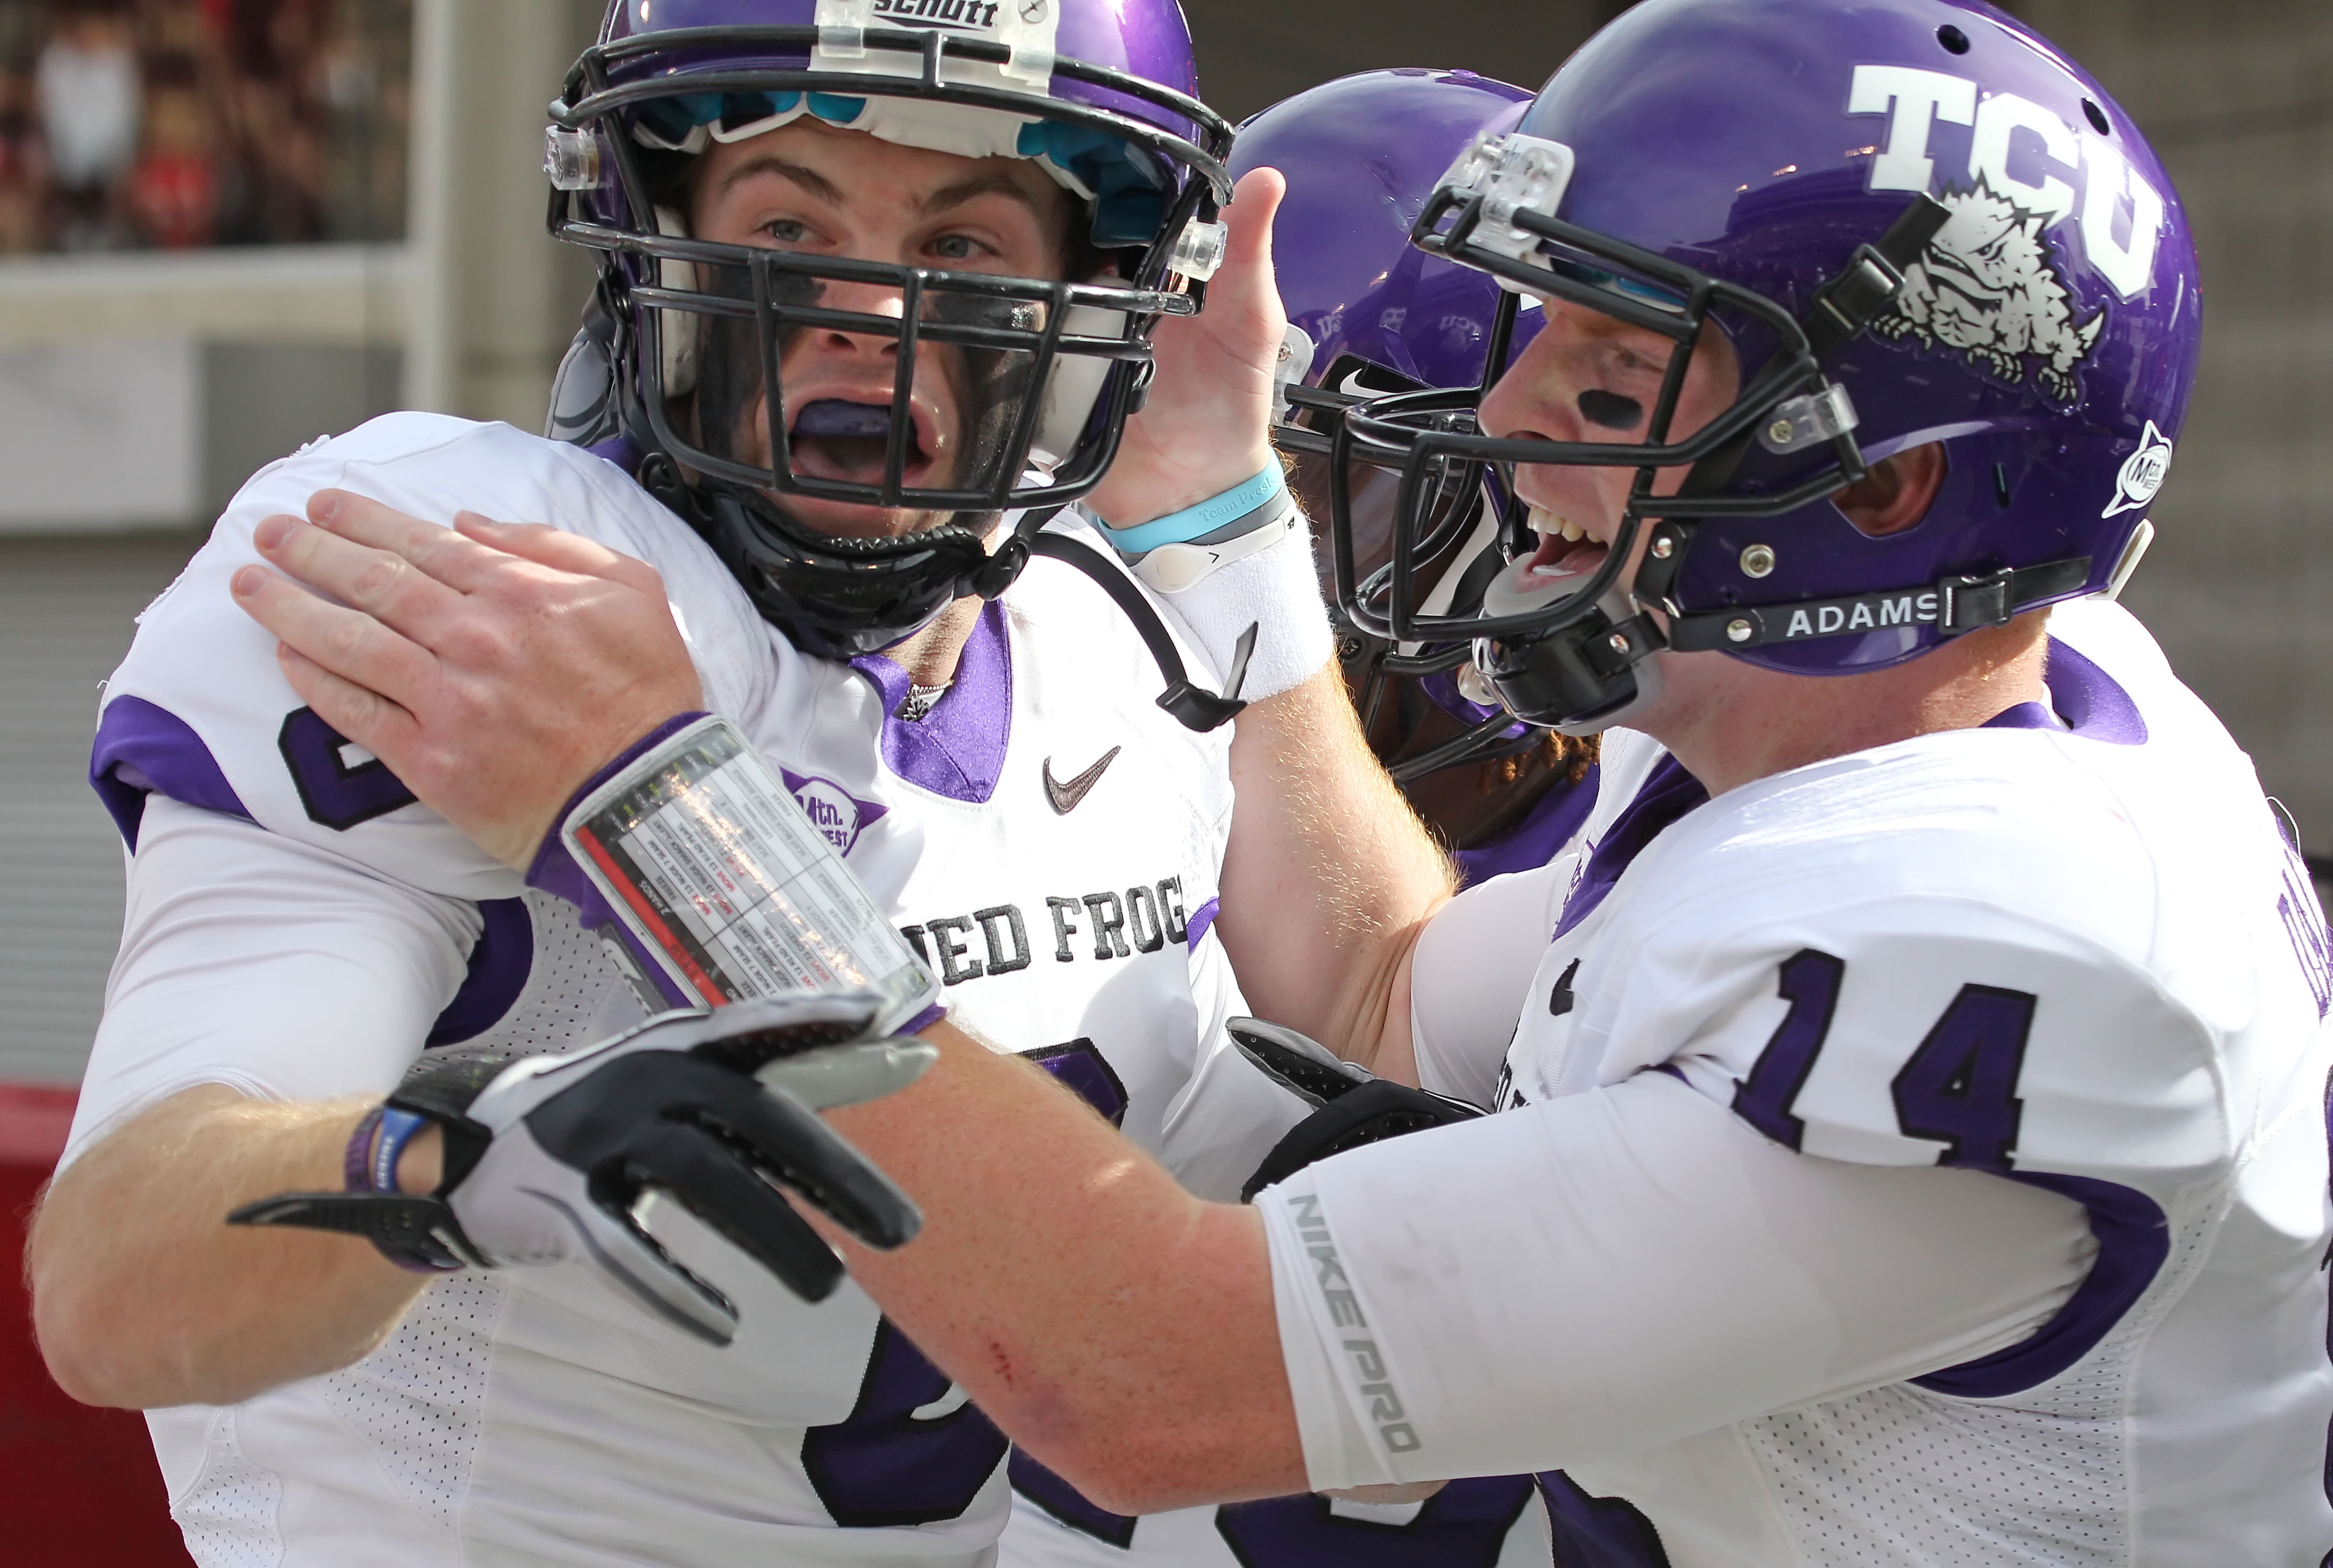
{"x": 833, "y": 809}
{"x": 2143, "y": 472}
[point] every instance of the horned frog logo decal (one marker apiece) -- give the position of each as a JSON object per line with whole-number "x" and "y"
{"x": 1988, "y": 287}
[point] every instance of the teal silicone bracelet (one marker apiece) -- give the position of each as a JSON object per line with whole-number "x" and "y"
{"x": 1196, "y": 522}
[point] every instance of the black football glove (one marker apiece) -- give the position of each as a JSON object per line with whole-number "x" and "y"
{"x": 547, "y": 1157}
{"x": 1355, "y": 1106}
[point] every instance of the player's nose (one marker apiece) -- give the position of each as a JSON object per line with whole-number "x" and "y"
{"x": 883, "y": 301}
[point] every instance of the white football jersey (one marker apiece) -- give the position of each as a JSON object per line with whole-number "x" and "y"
{"x": 1760, "y": 1293}
{"x": 1050, "y": 839}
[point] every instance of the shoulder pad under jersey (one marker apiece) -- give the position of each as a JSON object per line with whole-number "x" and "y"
{"x": 1969, "y": 950}
{"x": 199, "y": 711}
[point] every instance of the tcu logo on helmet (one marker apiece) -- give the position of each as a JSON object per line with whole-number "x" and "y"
{"x": 1988, "y": 287}
{"x": 1989, "y": 284}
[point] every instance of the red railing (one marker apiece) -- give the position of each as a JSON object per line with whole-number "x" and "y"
{"x": 77, "y": 1485}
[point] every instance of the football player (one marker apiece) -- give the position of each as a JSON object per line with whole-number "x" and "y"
{"x": 877, "y": 295}
{"x": 1912, "y": 1136}
{"x": 1348, "y": 277}
{"x": 1370, "y": 314}
{"x": 1912, "y": 1139}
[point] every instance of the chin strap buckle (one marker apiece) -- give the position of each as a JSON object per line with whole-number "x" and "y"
{"x": 1968, "y": 604}
{"x": 1002, "y": 569}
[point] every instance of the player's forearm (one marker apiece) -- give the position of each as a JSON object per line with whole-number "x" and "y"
{"x": 144, "y": 1297}
{"x": 1329, "y": 874}
{"x": 1119, "y": 1328}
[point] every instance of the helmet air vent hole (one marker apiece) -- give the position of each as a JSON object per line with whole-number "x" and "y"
{"x": 2096, "y": 117}
{"x": 2001, "y": 484}
{"x": 1954, "y": 40}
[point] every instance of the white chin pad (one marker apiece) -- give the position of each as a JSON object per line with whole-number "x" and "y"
{"x": 679, "y": 332}
{"x": 1074, "y": 385}
{"x": 1507, "y": 597}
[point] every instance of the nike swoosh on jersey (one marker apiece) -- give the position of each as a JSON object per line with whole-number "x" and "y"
{"x": 1066, "y": 798}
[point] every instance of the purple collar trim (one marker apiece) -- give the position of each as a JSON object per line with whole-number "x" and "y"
{"x": 1441, "y": 689}
{"x": 1668, "y": 795}
{"x": 2024, "y": 716}
{"x": 1532, "y": 843}
{"x": 2091, "y": 703}
{"x": 957, "y": 749}
{"x": 142, "y": 750}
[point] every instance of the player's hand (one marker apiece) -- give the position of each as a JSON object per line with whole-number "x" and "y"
{"x": 549, "y": 1156}
{"x": 1207, "y": 427}
{"x": 1353, "y": 1107}
{"x": 495, "y": 667}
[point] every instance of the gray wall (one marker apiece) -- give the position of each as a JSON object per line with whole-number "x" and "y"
{"x": 494, "y": 300}
{"x": 2239, "y": 585}
{"x": 1252, "y": 56}
{"x": 66, "y": 613}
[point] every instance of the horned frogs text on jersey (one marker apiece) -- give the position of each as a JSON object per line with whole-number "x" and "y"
{"x": 297, "y": 925}
{"x": 1759, "y": 1292}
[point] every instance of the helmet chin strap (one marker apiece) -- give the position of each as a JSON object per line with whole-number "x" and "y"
{"x": 1581, "y": 680}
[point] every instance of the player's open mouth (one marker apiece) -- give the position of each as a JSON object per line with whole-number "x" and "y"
{"x": 838, "y": 439}
{"x": 1565, "y": 550}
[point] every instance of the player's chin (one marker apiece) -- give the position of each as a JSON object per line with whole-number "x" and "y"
{"x": 849, "y": 519}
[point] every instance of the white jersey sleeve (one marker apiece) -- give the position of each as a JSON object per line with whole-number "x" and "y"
{"x": 1607, "y": 1272}
{"x": 256, "y": 961}
{"x": 1472, "y": 970}
{"x": 1229, "y": 1115}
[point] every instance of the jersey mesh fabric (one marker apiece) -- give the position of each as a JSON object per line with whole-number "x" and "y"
{"x": 229, "y": 1513}
{"x": 1976, "y": 1482}
{"x": 418, "y": 1401}
{"x": 576, "y": 991}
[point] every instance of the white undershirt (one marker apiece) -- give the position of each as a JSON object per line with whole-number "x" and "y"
{"x": 1596, "y": 1274}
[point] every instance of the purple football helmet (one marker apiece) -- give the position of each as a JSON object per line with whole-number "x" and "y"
{"x": 1915, "y": 221}
{"x": 1361, "y": 155}
{"x": 1098, "y": 93}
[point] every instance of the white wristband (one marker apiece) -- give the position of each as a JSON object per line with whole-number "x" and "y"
{"x": 1270, "y": 586}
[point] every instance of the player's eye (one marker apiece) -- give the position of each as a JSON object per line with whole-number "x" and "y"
{"x": 957, "y": 248}
{"x": 786, "y": 231}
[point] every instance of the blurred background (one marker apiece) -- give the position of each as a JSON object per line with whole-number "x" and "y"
{"x": 228, "y": 226}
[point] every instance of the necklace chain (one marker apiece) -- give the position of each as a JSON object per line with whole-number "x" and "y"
{"x": 920, "y": 701}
